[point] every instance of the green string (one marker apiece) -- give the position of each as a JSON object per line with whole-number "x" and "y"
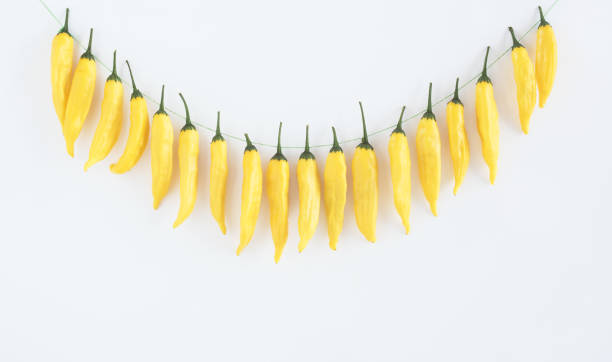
{"x": 350, "y": 140}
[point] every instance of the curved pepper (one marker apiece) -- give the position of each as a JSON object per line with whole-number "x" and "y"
{"x": 107, "y": 130}
{"x": 138, "y": 135}
{"x": 457, "y": 138}
{"x": 334, "y": 191}
{"x": 188, "y": 153}
{"x": 62, "y": 48}
{"x": 309, "y": 191}
{"x": 546, "y": 58}
{"x": 487, "y": 120}
{"x": 252, "y": 178}
{"x": 399, "y": 155}
{"x": 365, "y": 185}
{"x": 218, "y": 176}
{"x": 162, "y": 138}
{"x": 524, "y": 77}
{"x": 428, "y": 155}
{"x": 79, "y": 97}
{"x": 277, "y": 189}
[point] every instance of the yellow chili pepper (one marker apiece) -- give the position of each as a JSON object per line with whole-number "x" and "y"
{"x": 162, "y": 138}
{"x": 487, "y": 120}
{"x": 188, "y": 152}
{"x": 251, "y": 193}
{"x": 309, "y": 190}
{"x": 111, "y": 117}
{"x": 62, "y": 48}
{"x": 546, "y": 58}
{"x": 277, "y": 188}
{"x": 457, "y": 138}
{"x": 218, "y": 176}
{"x": 139, "y": 131}
{"x": 524, "y": 77}
{"x": 334, "y": 195}
{"x": 365, "y": 185}
{"x": 79, "y": 97}
{"x": 428, "y": 155}
{"x": 399, "y": 155}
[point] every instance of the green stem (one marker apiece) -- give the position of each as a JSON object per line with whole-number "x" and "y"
{"x": 484, "y": 77}
{"x": 131, "y": 75}
{"x": 64, "y": 29}
{"x": 543, "y": 21}
{"x": 187, "y": 118}
{"x": 398, "y": 128}
{"x": 307, "y": 147}
{"x": 248, "y": 141}
{"x": 484, "y": 67}
{"x": 456, "y": 96}
{"x": 428, "y": 113}
{"x": 87, "y": 53}
{"x": 278, "y": 144}
{"x": 161, "y": 102}
{"x": 429, "y": 100}
{"x": 115, "y": 63}
{"x": 336, "y": 144}
{"x": 515, "y": 42}
{"x": 218, "y": 130}
{"x": 218, "y": 136}
{"x": 399, "y": 122}
{"x": 89, "y": 43}
{"x": 364, "y": 139}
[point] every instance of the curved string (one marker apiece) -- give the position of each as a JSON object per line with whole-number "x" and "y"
{"x": 349, "y": 140}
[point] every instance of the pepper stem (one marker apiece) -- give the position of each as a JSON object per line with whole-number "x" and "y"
{"x": 429, "y": 100}
{"x": 307, "y": 147}
{"x": 515, "y": 43}
{"x": 64, "y": 29}
{"x": 399, "y": 122}
{"x": 187, "y": 118}
{"x": 542, "y": 20}
{"x": 484, "y": 67}
{"x": 161, "y": 102}
{"x": 114, "y": 72}
{"x": 248, "y": 140}
{"x": 218, "y": 130}
{"x": 335, "y": 138}
{"x": 278, "y": 144}
{"x": 88, "y": 51}
{"x": 364, "y": 139}
{"x": 456, "y": 96}
{"x": 131, "y": 76}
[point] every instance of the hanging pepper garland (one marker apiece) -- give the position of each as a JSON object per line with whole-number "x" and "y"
{"x": 72, "y": 100}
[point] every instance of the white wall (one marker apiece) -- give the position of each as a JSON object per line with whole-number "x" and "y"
{"x": 518, "y": 271}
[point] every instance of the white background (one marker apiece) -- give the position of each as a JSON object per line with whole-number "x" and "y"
{"x": 519, "y": 271}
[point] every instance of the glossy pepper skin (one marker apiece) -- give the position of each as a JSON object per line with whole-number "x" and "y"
{"x": 218, "y": 176}
{"x": 277, "y": 189}
{"x": 487, "y": 121}
{"x": 399, "y": 155}
{"x": 457, "y": 138}
{"x": 188, "y": 152}
{"x": 62, "y": 49}
{"x": 79, "y": 97}
{"x": 309, "y": 190}
{"x": 138, "y": 135}
{"x": 162, "y": 139}
{"x": 365, "y": 185}
{"x": 546, "y": 58}
{"x": 524, "y": 77}
{"x": 429, "y": 158}
{"x": 334, "y": 191}
{"x": 252, "y": 180}
{"x": 111, "y": 118}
